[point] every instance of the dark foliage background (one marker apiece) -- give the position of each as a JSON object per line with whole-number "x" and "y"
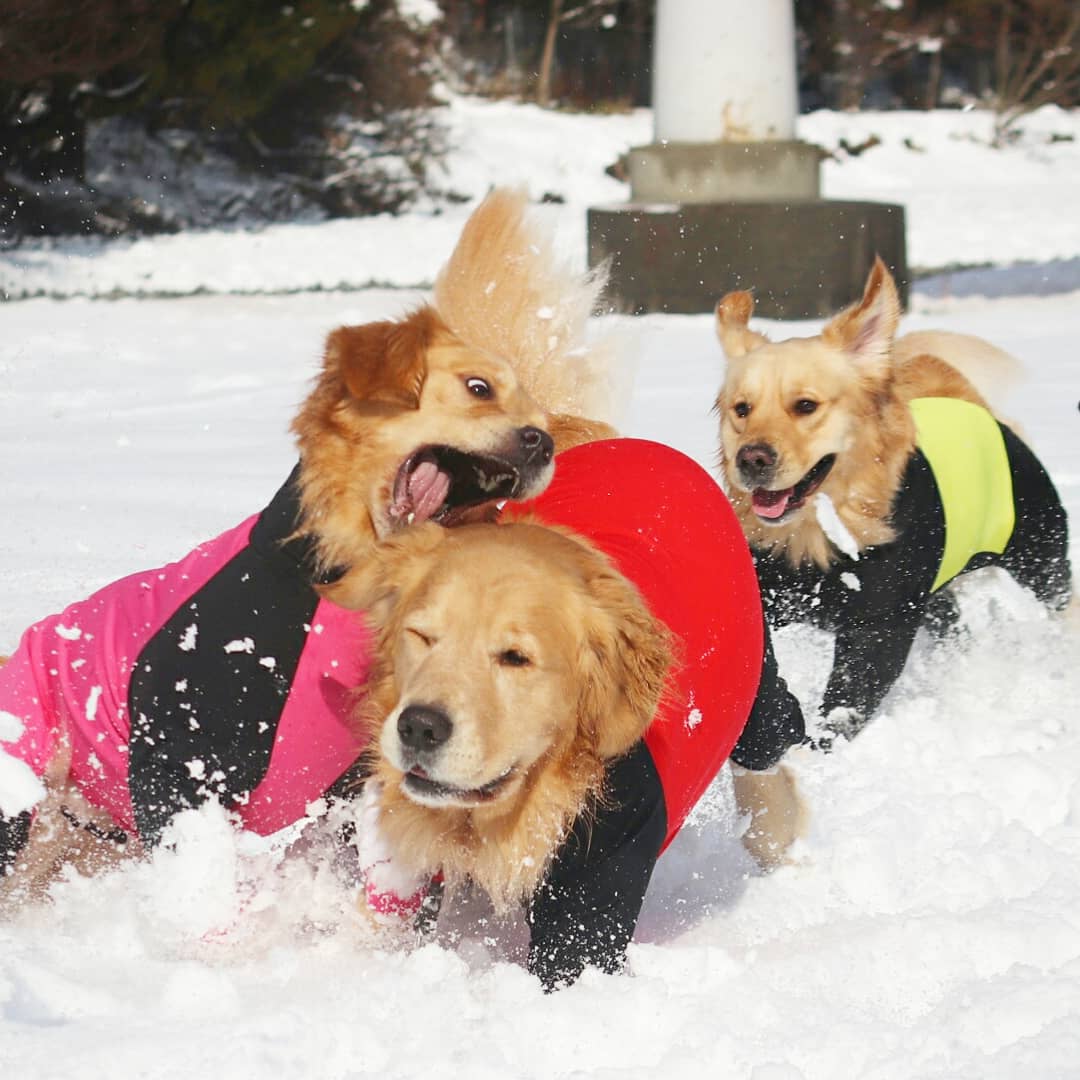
{"x": 327, "y": 99}
{"x": 114, "y": 113}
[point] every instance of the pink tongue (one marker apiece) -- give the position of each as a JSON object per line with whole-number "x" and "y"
{"x": 428, "y": 488}
{"x": 771, "y": 504}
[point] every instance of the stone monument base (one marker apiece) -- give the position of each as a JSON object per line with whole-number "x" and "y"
{"x": 724, "y": 171}
{"x": 801, "y": 258}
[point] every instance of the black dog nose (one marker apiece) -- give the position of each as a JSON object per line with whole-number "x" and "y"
{"x": 756, "y": 461}
{"x": 537, "y": 444}
{"x": 423, "y": 727}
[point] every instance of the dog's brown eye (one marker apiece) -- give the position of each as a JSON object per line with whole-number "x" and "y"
{"x": 741, "y": 409}
{"x": 424, "y": 639}
{"x": 513, "y": 658}
{"x": 480, "y": 388}
{"x": 805, "y": 406}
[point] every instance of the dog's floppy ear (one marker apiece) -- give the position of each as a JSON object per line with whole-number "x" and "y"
{"x": 393, "y": 569}
{"x": 866, "y": 329}
{"x": 627, "y": 655}
{"x": 733, "y": 311}
{"x": 383, "y": 362}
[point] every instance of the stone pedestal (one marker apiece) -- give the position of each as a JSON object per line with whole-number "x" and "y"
{"x": 802, "y": 259}
{"x": 726, "y": 197}
{"x": 724, "y": 171}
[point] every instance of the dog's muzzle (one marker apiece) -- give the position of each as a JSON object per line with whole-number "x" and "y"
{"x": 422, "y": 732}
{"x": 775, "y": 505}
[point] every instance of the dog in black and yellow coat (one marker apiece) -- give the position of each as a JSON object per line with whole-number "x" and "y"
{"x": 868, "y": 473}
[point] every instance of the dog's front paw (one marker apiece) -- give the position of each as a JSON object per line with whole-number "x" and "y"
{"x": 839, "y": 723}
{"x": 776, "y": 814}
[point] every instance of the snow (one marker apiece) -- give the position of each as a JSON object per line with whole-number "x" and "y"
{"x": 20, "y": 789}
{"x": 929, "y": 926}
{"x": 420, "y": 12}
{"x": 833, "y": 527}
{"x": 968, "y": 204}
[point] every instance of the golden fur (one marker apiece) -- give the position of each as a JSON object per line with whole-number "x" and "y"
{"x": 505, "y": 290}
{"x": 544, "y": 661}
{"x": 387, "y": 391}
{"x": 505, "y": 312}
{"x": 786, "y": 406}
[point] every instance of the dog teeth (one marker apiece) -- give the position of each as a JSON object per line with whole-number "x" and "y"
{"x": 410, "y": 519}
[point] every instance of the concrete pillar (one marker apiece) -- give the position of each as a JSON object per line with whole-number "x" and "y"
{"x": 724, "y": 70}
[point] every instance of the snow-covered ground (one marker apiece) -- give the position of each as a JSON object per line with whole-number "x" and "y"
{"x": 968, "y": 204}
{"x": 931, "y": 929}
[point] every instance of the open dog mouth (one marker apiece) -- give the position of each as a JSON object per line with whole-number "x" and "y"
{"x": 438, "y": 482}
{"x": 774, "y": 506}
{"x": 422, "y": 789}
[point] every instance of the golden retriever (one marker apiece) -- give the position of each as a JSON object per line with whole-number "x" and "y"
{"x": 514, "y": 663}
{"x": 853, "y": 453}
{"x": 459, "y": 405}
{"x": 542, "y": 725}
{"x": 828, "y": 414}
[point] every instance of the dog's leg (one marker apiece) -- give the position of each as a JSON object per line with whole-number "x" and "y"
{"x": 37, "y": 837}
{"x": 777, "y": 813}
{"x": 395, "y": 901}
{"x": 62, "y": 830}
{"x": 14, "y": 836}
{"x": 1072, "y": 612}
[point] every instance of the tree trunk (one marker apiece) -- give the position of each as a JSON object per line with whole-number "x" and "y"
{"x": 933, "y": 81}
{"x": 547, "y": 57}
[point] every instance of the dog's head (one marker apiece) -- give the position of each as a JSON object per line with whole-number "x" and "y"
{"x": 407, "y": 424}
{"x": 792, "y": 412}
{"x": 515, "y": 661}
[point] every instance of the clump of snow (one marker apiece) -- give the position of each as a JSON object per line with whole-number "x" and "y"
{"x": 851, "y": 581}
{"x": 92, "y": 700}
{"x": 833, "y": 527}
{"x": 11, "y": 727}
{"x": 20, "y": 789}
{"x": 420, "y": 12}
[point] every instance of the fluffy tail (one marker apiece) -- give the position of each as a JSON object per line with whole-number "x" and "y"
{"x": 993, "y": 371}
{"x": 505, "y": 290}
